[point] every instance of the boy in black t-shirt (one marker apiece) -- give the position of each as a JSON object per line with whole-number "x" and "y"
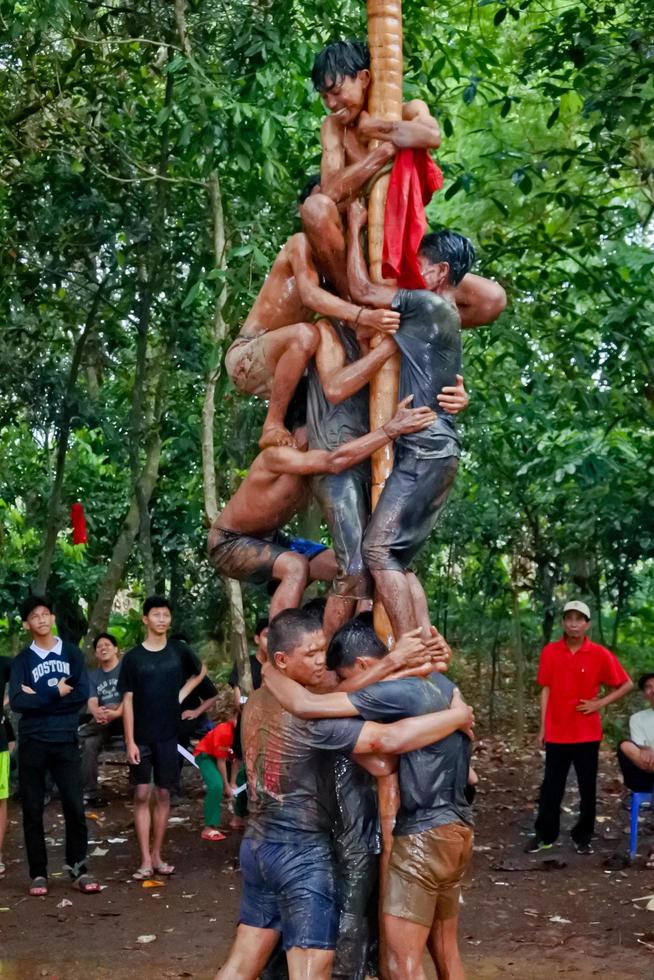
{"x": 155, "y": 677}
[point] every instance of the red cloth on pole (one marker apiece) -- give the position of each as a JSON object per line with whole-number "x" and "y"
{"x": 78, "y": 522}
{"x": 414, "y": 178}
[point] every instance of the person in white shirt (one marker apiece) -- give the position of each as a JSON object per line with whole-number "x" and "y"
{"x": 636, "y": 754}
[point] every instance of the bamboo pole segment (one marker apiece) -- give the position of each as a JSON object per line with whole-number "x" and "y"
{"x": 385, "y": 102}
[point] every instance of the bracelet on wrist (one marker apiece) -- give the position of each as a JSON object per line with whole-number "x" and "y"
{"x": 358, "y": 316}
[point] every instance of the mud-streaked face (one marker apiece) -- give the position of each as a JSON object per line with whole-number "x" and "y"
{"x": 305, "y": 663}
{"x": 345, "y": 97}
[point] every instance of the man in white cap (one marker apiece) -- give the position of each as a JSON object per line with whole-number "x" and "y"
{"x": 570, "y": 673}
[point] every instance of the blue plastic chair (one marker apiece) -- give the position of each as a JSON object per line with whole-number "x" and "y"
{"x": 637, "y": 800}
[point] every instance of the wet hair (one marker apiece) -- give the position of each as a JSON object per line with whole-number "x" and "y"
{"x": 313, "y": 181}
{"x": 288, "y": 629}
{"x": 449, "y": 246}
{"x": 156, "y": 602}
{"x": 33, "y": 602}
{"x": 296, "y": 413}
{"x": 354, "y": 639}
{"x": 105, "y": 636}
{"x": 339, "y": 59}
{"x": 260, "y": 625}
{"x": 316, "y": 607}
{"x": 642, "y": 681}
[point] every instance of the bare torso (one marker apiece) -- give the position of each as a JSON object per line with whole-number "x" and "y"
{"x": 264, "y": 502}
{"x": 278, "y": 303}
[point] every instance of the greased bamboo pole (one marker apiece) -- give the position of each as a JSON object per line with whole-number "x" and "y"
{"x": 385, "y": 102}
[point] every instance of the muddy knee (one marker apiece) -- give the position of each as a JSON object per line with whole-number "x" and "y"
{"x": 291, "y": 567}
{"x": 317, "y": 210}
{"x": 306, "y": 338}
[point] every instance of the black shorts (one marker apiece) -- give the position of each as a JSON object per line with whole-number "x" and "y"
{"x": 344, "y": 499}
{"x": 242, "y": 556}
{"x": 158, "y": 763}
{"x": 408, "y": 509}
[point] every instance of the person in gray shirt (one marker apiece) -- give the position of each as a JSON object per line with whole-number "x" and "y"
{"x": 106, "y": 711}
{"x": 432, "y": 838}
{"x": 429, "y": 339}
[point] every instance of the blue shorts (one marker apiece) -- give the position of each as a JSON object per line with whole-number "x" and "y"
{"x": 290, "y": 888}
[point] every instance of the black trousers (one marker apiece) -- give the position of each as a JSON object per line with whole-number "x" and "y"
{"x": 559, "y": 757}
{"x": 635, "y": 779}
{"x": 62, "y": 761}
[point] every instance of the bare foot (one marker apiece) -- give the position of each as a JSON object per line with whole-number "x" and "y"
{"x": 276, "y": 436}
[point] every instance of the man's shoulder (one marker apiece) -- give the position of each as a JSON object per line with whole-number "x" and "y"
{"x": 133, "y": 654}
{"x": 646, "y": 715}
{"x": 71, "y": 649}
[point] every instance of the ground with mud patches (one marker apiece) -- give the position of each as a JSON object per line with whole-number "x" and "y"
{"x": 522, "y": 918}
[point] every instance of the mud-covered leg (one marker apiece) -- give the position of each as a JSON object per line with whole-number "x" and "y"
{"x": 324, "y": 229}
{"x": 287, "y": 350}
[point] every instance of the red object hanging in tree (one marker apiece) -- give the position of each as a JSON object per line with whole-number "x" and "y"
{"x": 78, "y": 521}
{"x": 414, "y": 178}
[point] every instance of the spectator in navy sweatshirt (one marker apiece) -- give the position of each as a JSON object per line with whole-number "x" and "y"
{"x": 49, "y": 687}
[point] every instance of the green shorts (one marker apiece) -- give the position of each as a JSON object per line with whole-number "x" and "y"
{"x": 4, "y": 775}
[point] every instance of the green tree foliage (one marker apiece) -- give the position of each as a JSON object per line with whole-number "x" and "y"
{"x": 116, "y": 115}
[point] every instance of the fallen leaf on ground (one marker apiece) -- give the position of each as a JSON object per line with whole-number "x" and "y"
{"x": 99, "y": 852}
{"x": 153, "y": 883}
{"x": 64, "y": 903}
{"x": 145, "y": 939}
{"x": 560, "y": 921}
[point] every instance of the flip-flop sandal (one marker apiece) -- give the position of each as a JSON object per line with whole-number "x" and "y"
{"x": 38, "y": 887}
{"x": 164, "y": 869}
{"x": 212, "y": 835}
{"x": 87, "y": 885}
{"x": 143, "y": 874}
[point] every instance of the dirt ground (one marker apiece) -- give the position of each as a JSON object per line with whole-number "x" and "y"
{"x": 522, "y": 918}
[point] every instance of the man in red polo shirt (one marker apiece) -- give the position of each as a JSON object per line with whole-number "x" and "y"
{"x": 571, "y": 673}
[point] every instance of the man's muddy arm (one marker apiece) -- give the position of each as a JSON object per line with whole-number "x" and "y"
{"x": 339, "y": 380}
{"x": 308, "y": 284}
{"x": 287, "y": 460}
{"x": 338, "y": 181}
{"x": 417, "y": 128}
{"x": 479, "y": 301}
{"x": 302, "y": 703}
{"x": 413, "y": 733}
{"x": 409, "y": 653}
{"x": 362, "y": 289}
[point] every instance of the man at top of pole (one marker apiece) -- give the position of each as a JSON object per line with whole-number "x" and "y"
{"x": 341, "y": 74}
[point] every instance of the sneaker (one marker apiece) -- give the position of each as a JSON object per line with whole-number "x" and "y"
{"x": 535, "y": 844}
{"x": 585, "y": 848}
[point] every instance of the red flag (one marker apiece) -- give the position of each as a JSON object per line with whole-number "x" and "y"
{"x": 78, "y": 522}
{"x": 414, "y": 178}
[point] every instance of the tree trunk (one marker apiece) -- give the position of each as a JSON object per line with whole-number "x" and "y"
{"x": 52, "y": 522}
{"x": 518, "y": 654}
{"x": 101, "y": 611}
{"x": 239, "y": 643}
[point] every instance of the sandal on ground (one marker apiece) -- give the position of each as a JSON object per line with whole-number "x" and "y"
{"x": 164, "y": 869}
{"x": 38, "y": 887}
{"x": 649, "y": 863}
{"x": 143, "y": 874}
{"x": 86, "y": 884}
{"x": 212, "y": 835}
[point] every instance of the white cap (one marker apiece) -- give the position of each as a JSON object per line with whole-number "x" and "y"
{"x": 577, "y": 606}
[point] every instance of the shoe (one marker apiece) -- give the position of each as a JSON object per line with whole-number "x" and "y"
{"x": 585, "y": 848}
{"x": 535, "y": 844}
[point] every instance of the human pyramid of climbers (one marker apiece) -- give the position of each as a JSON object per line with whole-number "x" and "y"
{"x": 318, "y": 332}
